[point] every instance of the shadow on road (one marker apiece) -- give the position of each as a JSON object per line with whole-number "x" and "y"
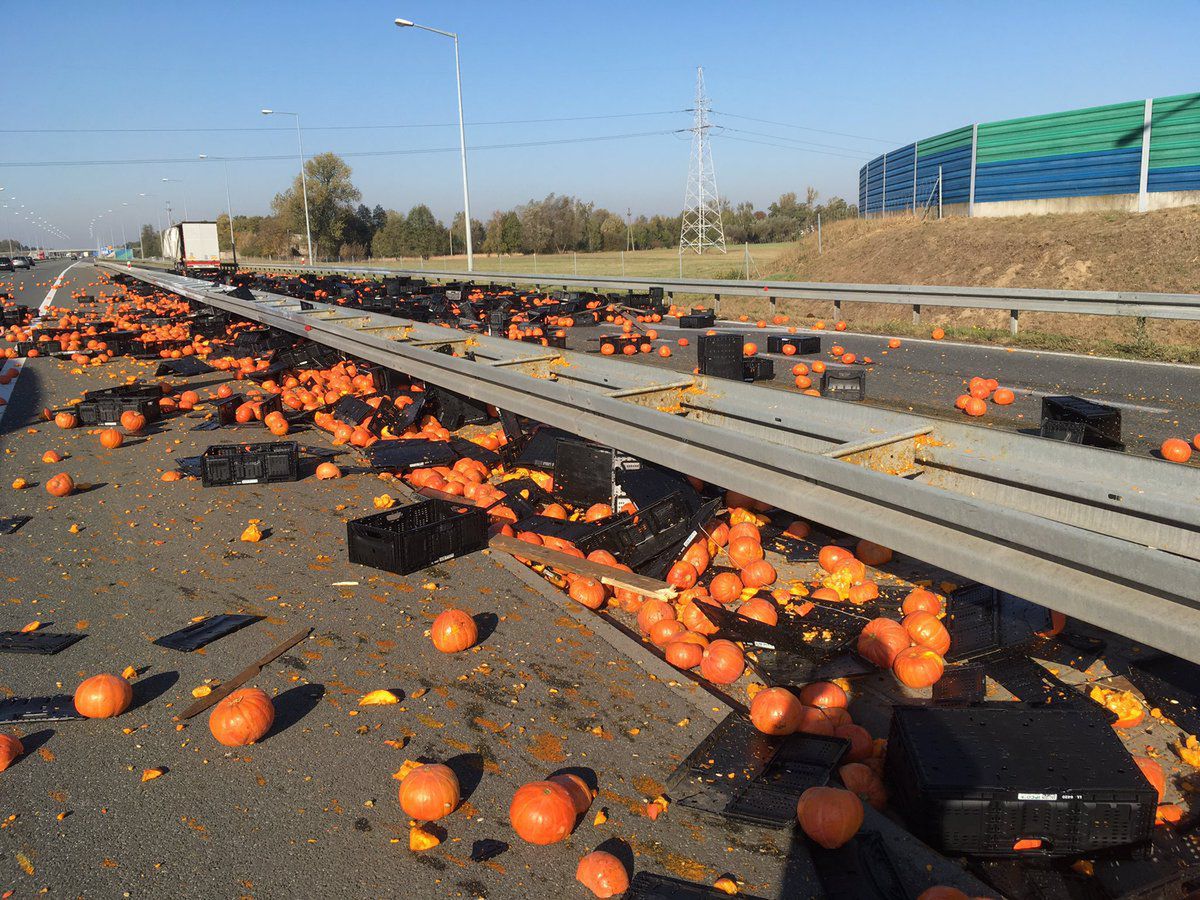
{"x": 293, "y": 705}
{"x": 468, "y": 768}
{"x": 149, "y": 689}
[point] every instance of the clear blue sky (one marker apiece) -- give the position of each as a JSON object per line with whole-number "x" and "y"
{"x": 892, "y": 71}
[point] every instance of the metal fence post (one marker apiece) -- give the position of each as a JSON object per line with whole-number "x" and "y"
{"x": 883, "y": 201}
{"x": 1144, "y": 178}
{"x": 1013, "y": 316}
{"x": 774, "y": 305}
{"x": 974, "y": 152}
{"x": 837, "y": 307}
{"x": 534, "y": 262}
{"x": 622, "y": 263}
{"x": 575, "y": 262}
{"x": 820, "y": 251}
{"x": 680, "y": 260}
{"x": 916, "y": 314}
{"x": 916, "y": 147}
{"x": 939, "y": 192}
{"x": 717, "y": 305}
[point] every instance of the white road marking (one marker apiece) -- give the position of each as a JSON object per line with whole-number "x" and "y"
{"x": 54, "y": 289}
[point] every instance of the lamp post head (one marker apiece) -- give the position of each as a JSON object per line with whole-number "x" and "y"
{"x": 204, "y": 156}
{"x": 267, "y": 112}
{"x": 404, "y": 23}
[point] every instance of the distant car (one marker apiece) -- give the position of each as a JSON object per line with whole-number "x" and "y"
{"x": 6, "y": 264}
{"x": 20, "y": 262}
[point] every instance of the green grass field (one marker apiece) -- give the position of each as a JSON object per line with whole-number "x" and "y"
{"x": 663, "y": 263}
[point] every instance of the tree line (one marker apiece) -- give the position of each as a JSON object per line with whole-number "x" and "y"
{"x": 345, "y": 228}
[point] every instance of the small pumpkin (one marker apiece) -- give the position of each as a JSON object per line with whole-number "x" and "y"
{"x": 581, "y": 794}
{"x": 761, "y": 610}
{"x": 873, "y": 554}
{"x": 242, "y": 718}
{"x": 429, "y": 792}
{"x": 723, "y": 662}
{"x": 830, "y": 555}
{"x": 776, "y": 711}
{"x": 921, "y": 600}
{"x": 60, "y": 485}
{"x": 328, "y": 470}
{"x": 66, "y": 420}
{"x": 759, "y": 573}
{"x": 133, "y": 421}
{"x": 927, "y": 630}
{"x": 10, "y": 749}
{"x": 588, "y": 591}
{"x": 664, "y": 631}
{"x": 918, "y": 667}
{"x": 860, "y": 780}
{"x": 743, "y": 551}
{"x": 861, "y": 743}
{"x": 684, "y": 654}
{"x": 111, "y": 439}
{"x": 542, "y": 812}
{"x": 829, "y": 816}
{"x": 725, "y": 588}
{"x": 652, "y": 612}
{"x": 103, "y": 696}
{"x": 815, "y": 721}
{"x": 881, "y": 641}
{"x": 824, "y": 694}
{"x": 453, "y": 630}
{"x": 602, "y": 874}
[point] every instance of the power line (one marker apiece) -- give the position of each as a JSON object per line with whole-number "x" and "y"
{"x": 361, "y": 153}
{"x": 333, "y": 127}
{"x": 777, "y": 137}
{"x": 859, "y": 137}
{"x": 793, "y": 147}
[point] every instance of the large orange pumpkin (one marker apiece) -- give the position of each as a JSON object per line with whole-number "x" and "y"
{"x": 65, "y": 420}
{"x": 829, "y": 556}
{"x": 588, "y": 591}
{"x": 921, "y": 600}
{"x": 824, "y": 694}
{"x": 1173, "y": 449}
{"x": 723, "y": 662}
{"x": 684, "y": 654}
{"x": 132, "y": 421}
{"x": 429, "y": 792}
{"x": 60, "y": 485}
{"x": 111, "y": 439}
{"x": 776, "y": 710}
{"x": 725, "y": 588}
{"x": 881, "y": 641}
{"x": 242, "y": 718}
{"x": 10, "y": 749}
{"x": 918, "y": 667}
{"x": 927, "y": 630}
{"x": 602, "y": 874}
{"x": 873, "y": 554}
{"x": 542, "y": 812}
{"x": 761, "y": 610}
{"x": 829, "y": 816}
{"x": 453, "y": 630}
{"x": 759, "y": 573}
{"x": 743, "y": 551}
{"x": 103, "y": 696}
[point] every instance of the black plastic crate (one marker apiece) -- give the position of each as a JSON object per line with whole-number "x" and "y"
{"x": 844, "y": 384}
{"x": 1095, "y": 424}
{"x": 1172, "y": 684}
{"x": 805, "y": 346}
{"x": 104, "y": 407}
{"x": 634, "y": 539}
{"x": 757, "y": 368}
{"x": 264, "y": 463}
{"x": 416, "y": 536}
{"x": 980, "y": 779}
{"x": 698, "y": 320}
{"x": 721, "y": 355}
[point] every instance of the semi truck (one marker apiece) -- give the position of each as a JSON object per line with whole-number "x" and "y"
{"x": 192, "y": 248}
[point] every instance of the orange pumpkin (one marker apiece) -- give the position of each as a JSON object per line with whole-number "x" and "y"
{"x": 761, "y": 610}
{"x": 1173, "y": 450}
{"x": 589, "y": 592}
{"x": 723, "y": 662}
{"x": 725, "y": 588}
{"x": 132, "y": 421}
{"x": 860, "y": 780}
{"x": 881, "y": 641}
{"x": 542, "y": 812}
{"x": 830, "y": 555}
{"x": 111, "y": 439}
{"x": 66, "y": 420}
{"x": 776, "y": 710}
{"x": 242, "y": 718}
{"x": 581, "y": 794}
{"x": 861, "y": 743}
{"x": 872, "y": 554}
{"x": 824, "y": 694}
{"x": 927, "y": 630}
{"x": 602, "y": 874}
{"x": 743, "y": 551}
{"x": 1154, "y": 774}
{"x": 664, "y": 631}
{"x": 453, "y": 630}
{"x": 103, "y": 696}
{"x": 829, "y": 816}
{"x": 921, "y": 600}
{"x": 918, "y": 667}
{"x": 10, "y": 749}
{"x": 60, "y": 485}
{"x": 327, "y": 470}
{"x": 682, "y": 575}
{"x": 429, "y": 792}
{"x": 654, "y": 611}
{"x": 759, "y": 573}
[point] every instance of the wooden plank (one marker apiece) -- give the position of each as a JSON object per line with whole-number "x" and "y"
{"x": 563, "y": 562}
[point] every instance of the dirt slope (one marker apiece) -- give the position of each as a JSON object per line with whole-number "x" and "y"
{"x": 1157, "y": 251}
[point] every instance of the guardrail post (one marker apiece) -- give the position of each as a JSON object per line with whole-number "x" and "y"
{"x": 774, "y": 305}
{"x": 1013, "y": 317}
{"x": 916, "y": 313}
{"x": 837, "y": 308}
{"x": 717, "y": 305}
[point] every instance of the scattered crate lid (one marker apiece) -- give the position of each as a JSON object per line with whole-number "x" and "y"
{"x": 635, "y": 539}
{"x": 41, "y": 643}
{"x": 861, "y": 869}
{"x": 10, "y": 524}
{"x": 649, "y": 886}
{"x": 17, "y": 710}
{"x": 198, "y": 634}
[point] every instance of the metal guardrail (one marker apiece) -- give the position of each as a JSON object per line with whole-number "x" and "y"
{"x": 1139, "y": 304}
{"x": 1109, "y": 538}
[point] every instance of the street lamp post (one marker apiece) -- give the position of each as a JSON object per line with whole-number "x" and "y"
{"x": 462, "y": 134}
{"x": 303, "y": 179}
{"x": 228, "y": 204}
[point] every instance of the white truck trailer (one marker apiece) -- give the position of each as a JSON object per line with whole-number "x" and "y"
{"x": 192, "y": 248}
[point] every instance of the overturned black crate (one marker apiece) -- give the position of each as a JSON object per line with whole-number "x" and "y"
{"x": 803, "y": 346}
{"x": 721, "y": 355}
{"x": 416, "y": 536}
{"x": 262, "y": 463}
{"x": 697, "y": 320}
{"x": 1003, "y": 779}
{"x": 1079, "y": 421}
{"x": 757, "y": 368}
{"x": 634, "y": 539}
{"x": 106, "y": 406}
{"x": 844, "y": 384}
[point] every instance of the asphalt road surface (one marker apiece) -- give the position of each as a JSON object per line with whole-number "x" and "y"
{"x": 312, "y": 809}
